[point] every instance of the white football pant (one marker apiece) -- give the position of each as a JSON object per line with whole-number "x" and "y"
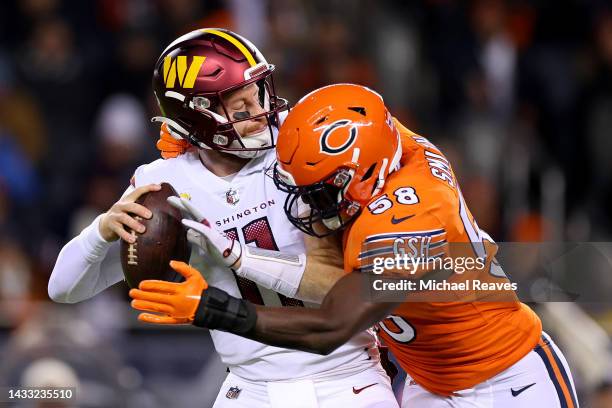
{"x": 541, "y": 379}
{"x": 367, "y": 389}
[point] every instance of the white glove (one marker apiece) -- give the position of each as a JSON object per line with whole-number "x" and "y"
{"x": 274, "y": 270}
{"x": 199, "y": 232}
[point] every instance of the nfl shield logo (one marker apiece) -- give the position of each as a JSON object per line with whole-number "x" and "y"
{"x": 233, "y": 393}
{"x": 231, "y": 196}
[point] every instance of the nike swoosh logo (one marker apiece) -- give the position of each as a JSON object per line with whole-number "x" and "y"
{"x": 398, "y": 220}
{"x": 517, "y": 392}
{"x": 358, "y": 390}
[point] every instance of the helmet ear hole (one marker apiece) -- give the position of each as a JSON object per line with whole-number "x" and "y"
{"x": 359, "y": 109}
{"x": 369, "y": 173}
{"x": 202, "y": 128}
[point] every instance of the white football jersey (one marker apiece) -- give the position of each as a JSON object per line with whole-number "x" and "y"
{"x": 250, "y": 208}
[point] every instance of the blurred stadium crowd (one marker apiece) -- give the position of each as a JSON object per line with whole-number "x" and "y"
{"x": 517, "y": 93}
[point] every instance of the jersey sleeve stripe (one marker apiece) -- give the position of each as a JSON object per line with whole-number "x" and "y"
{"x": 429, "y": 233}
{"x": 388, "y": 250}
{"x": 366, "y": 268}
{"x": 435, "y": 245}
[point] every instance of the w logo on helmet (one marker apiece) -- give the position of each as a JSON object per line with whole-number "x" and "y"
{"x": 326, "y": 147}
{"x": 177, "y": 67}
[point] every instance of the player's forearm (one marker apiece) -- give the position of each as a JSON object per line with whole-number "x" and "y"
{"x": 303, "y": 277}
{"x": 85, "y": 266}
{"x": 318, "y": 279}
{"x": 309, "y": 330}
{"x": 323, "y": 330}
{"x": 324, "y": 267}
{"x": 343, "y": 312}
{"x": 315, "y": 330}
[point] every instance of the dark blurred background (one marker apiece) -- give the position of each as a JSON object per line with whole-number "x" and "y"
{"x": 518, "y": 94}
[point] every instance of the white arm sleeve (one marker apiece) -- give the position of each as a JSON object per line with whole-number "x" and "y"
{"x": 274, "y": 270}
{"x": 86, "y": 265}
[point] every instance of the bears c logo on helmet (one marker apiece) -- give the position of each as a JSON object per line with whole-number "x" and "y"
{"x": 329, "y": 130}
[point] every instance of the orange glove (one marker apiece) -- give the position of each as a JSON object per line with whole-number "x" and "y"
{"x": 169, "y": 146}
{"x": 177, "y": 302}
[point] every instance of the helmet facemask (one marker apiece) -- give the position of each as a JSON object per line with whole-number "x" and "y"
{"x": 319, "y": 209}
{"x": 204, "y": 119}
{"x": 229, "y": 139}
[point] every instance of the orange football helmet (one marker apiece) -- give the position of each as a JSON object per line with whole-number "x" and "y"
{"x": 334, "y": 152}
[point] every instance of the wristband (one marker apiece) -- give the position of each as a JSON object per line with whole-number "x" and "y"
{"x": 218, "y": 310}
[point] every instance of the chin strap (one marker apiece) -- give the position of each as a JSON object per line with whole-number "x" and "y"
{"x": 260, "y": 140}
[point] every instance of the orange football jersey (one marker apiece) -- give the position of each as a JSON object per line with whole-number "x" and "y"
{"x": 446, "y": 346}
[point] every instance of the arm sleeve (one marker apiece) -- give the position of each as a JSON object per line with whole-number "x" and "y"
{"x": 274, "y": 270}
{"x": 86, "y": 265}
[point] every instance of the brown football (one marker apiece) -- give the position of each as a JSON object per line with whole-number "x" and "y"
{"x": 164, "y": 240}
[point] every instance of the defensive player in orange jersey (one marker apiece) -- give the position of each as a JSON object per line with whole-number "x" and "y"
{"x": 347, "y": 164}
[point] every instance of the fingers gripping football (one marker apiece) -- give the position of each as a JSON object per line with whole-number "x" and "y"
{"x": 225, "y": 250}
{"x": 177, "y": 302}
{"x": 123, "y": 215}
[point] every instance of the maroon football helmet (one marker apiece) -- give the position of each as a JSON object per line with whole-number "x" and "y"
{"x": 194, "y": 73}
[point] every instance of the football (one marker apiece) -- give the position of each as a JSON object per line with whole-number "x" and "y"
{"x": 164, "y": 239}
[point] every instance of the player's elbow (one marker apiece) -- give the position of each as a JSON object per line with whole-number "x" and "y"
{"x": 332, "y": 336}
{"x": 57, "y": 292}
{"x": 327, "y": 347}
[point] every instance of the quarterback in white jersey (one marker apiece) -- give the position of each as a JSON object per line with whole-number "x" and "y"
{"x": 244, "y": 204}
{"x": 250, "y": 207}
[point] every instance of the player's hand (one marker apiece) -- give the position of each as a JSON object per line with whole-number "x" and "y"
{"x": 176, "y": 302}
{"x": 199, "y": 232}
{"x": 124, "y": 214}
{"x": 168, "y": 145}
